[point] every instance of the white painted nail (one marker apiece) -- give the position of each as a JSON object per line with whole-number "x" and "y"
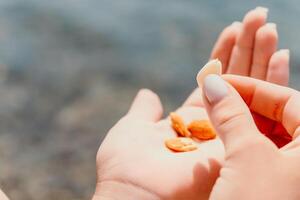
{"x": 263, "y": 9}
{"x": 287, "y": 51}
{"x": 272, "y": 25}
{"x": 236, "y": 23}
{"x": 215, "y": 88}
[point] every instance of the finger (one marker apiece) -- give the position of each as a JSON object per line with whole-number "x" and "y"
{"x": 278, "y": 70}
{"x": 195, "y": 99}
{"x": 224, "y": 45}
{"x": 146, "y": 106}
{"x": 241, "y": 56}
{"x": 265, "y": 45}
{"x": 228, "y": 113}
{"x": 270, "y": 100}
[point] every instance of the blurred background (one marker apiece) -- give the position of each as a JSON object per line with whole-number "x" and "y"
{"x": 69, "y": 70}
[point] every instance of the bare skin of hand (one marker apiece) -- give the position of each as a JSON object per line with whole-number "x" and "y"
{"x": 250, "y": 49}
{"x": 133, "y": 163}
{"x": 254, "y": 168}
{"x": 133, "y": 157}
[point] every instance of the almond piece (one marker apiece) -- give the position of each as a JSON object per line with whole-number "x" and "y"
{"x": 180, "y": 144}
{"x": 212, "y": 67}
{"x": 202, "y": 130}
{"x": 178, "y": 125}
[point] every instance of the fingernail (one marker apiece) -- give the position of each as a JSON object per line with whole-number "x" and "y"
{"x": 263, "y": 9}
{"x": 215, "y": 88}
{"x": 287, "y": 51}
{"x": 271, "y": 25}
{"x": 236, "y": 23}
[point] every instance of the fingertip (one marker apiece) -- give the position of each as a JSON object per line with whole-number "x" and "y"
{"x": 266, "y": 40}
{"x": 146, "y": 105}
{"x": 285, "y": 52}
{"x": 215, "y": 88}
{"x": 263, "y": 9}
{"x": 147, "y": 93}
{"x": 231, "y": 31}
{"x": 151, "y": 98}
{"x": 255, "y": 18}
{"x": 282, "y": 55}
{"x": 272, "y": 25}
{"x": 278, "y": 70}
{"x": 267, "y": 34}
{"x": 236, "y": 24}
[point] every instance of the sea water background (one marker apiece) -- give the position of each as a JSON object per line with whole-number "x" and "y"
{"x": 70, "y": 68}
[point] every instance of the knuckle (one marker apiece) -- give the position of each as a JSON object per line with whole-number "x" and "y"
{"x": 229, "y": 121}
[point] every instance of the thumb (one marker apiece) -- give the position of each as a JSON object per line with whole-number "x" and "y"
{"x": 229, "y": 114}
{"x": 146, "y": 106}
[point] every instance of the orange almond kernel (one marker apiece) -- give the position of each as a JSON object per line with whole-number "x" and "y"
{"x": 181, "y": 144}
{"x": 202, "y": 130}
{"x": 212, "y": 67}
{"x": 178, "y": 125}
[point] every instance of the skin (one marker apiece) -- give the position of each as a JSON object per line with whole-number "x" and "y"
{"x": 263, "y": 62}
{"x": 253, "y": 164}
{"x": 3, "y": 196}
{"x": 132, "y": 161}
{"x": 276, "y": 63}
{"x": 134, "y": 151}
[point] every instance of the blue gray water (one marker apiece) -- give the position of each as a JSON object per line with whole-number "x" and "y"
{"x": 70, "y": 68}
{"x": 160, "y": 38}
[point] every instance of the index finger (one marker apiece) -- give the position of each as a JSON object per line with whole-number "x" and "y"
{"x": 275, "y": 102}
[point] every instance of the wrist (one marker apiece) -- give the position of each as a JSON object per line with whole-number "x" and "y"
{"x": 114, "y": 190}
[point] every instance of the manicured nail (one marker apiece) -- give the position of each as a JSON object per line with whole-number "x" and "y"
{"x": 272, "y": 25}
{"x": 263, "y": 9}
{"x": 215, "y": 88}
{"x": 236, "y": 23}
{"x": 287, "y": 51}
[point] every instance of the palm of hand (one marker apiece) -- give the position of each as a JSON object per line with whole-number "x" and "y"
{"x": 134, "y": 152}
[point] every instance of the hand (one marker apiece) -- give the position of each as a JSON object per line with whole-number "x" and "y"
{"x": 133, "y": 162}
{"x": 249, "y": 49}
{"x": 142, "y": 166}
{"x": 254, "y": 167}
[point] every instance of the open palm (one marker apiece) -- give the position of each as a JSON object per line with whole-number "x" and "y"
{"x": 134, "y": 153}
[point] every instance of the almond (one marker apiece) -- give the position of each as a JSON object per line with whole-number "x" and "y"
{"x": 212, "y": 67}
{"x": 181, "y": 144}
{"x": 202, "y": 130}
{"x": 178, "y": 125}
